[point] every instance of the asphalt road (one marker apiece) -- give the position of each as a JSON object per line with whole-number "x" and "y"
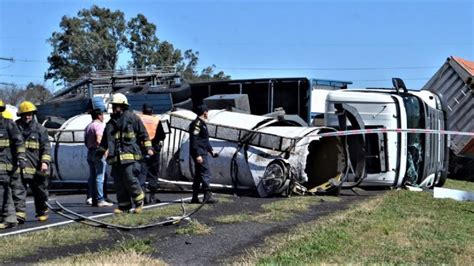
{"x": 225, "y": 242}
{"x": 76, "y": 202}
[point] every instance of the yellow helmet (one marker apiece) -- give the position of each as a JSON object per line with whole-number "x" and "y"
{"x": 26, "y": 107}
{"x": 119, "y": 98}
{"x": 2, "y": 104}
{"x": 7, "y": 115}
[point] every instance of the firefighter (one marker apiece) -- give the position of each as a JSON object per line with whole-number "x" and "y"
{"x": 38, "y": 159}
{"x": 12, "y": 154}
{"x": 151, "y": 165}
{"x": 200, "y": 147}
{"x": 123, "y": 138}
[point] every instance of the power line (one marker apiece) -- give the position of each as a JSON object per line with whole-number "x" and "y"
{"x": 326, "y": 68}
{"x": 30, "y": 61}
{"x": 276, "y": 68}
{"x": 20, "y": 76}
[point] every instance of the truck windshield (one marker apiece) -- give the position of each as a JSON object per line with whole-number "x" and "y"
{"x": 415, "y": 142}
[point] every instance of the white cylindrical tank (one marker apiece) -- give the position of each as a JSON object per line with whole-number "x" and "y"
{"x": 69, "y": 151}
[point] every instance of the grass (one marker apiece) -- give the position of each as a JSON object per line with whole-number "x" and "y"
{"x": 279, "y": 210}
{"x": 396, "y": 227}
{"x": 107, "y": 258}
{"x": 28, "y": 244}
{"x": 140, "y": 246}
{"x": 194, "y": 228}
{"x": 462, "y": 185}
{"x": 129, "y": 252}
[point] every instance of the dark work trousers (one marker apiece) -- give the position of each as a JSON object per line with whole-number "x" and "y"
{"x": 39, "y": 187}
{"x": 202, "y": 175}
{"x": 127, "y": 184}
{"x": 150, "y": 169}
{"x": 6, "y": 201}
{"x": 18, "y": 193}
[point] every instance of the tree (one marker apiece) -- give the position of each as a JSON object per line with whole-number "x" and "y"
{"x": 36, "y": 93}
{"x": 92, "y": 40}
{"x": 13, "y": 94}
{"x": 190, "y": 74}
{"x": 145, "y": 47}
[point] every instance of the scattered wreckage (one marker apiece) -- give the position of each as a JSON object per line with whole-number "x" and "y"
{"x": 277, "y": 154}
{"x": 257, "y": 152}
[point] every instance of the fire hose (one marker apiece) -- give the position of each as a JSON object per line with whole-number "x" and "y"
{"x": 80, "y": 218}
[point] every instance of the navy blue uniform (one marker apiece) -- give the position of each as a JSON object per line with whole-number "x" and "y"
{"x": 200, "y": 146}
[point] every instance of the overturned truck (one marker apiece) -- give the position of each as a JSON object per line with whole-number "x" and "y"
{"x": 266, "y": 154}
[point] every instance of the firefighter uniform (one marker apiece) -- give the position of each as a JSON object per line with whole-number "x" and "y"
{"x": 38, "y": 151}
{"x": 124, "y": 136}
{"x": 151, "y": 165}
{"x": 12, "y": 151}
{"x": 200, "y": 146}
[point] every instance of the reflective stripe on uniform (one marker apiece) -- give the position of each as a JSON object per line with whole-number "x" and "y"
{"x": 45, "y": 158}
{"x": 32, "y": 144}
{"x": 139, "y": 197}
{"x": 129, "y": 135}
{"x": 125, "y": 156}
{"x": 27, "y": 170}
{"x": 4, "y": 143}
{"x": 21, "y": 149}
{"x": 21, "y": 214}
{"x": 147, "y": 144}
{"x": 6, "y": 167}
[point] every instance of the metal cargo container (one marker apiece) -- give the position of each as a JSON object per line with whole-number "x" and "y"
{"x": 454, "y": 85}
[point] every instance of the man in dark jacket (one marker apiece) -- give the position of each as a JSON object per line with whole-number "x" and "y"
{"x": 123, "y": 139}
{"x": 38, "y": 155}
{"x": 199, "y": 148}
{"x": 13, "y": 153}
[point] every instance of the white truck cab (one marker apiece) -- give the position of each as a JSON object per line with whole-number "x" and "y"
{"x": 391, "y": 158}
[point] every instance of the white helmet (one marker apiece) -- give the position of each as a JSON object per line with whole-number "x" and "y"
{"x": 119, "y": 98}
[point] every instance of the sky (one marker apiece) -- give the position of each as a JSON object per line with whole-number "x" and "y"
{"x": 366, "y": 42}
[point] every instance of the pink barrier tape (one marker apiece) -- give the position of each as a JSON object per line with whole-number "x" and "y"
{"x": 397, "y": 130}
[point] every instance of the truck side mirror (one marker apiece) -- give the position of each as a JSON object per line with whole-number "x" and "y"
{"x": 399, "y": 84}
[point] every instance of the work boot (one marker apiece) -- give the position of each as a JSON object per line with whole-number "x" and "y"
{"x": 43, "y": 216}
{"x": 7, "y": 225}
{"x": 121, "y": 211}
{"x": 21, "y": 217}
{"x": 208, "y": 198}
{"x": 139, "y": 206}
{"x": 195, "y": 199}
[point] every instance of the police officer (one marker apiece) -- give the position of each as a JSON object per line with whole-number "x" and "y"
{"x": 12, "y": 153}
{"x": 199, "y": 148}
{"x": 151, "y": 165}
{"x": 38, "y": 159}
{"x": 123, "y": 137}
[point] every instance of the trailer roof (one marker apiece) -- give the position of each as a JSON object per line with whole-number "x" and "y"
{"x": 467, "y": 65}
